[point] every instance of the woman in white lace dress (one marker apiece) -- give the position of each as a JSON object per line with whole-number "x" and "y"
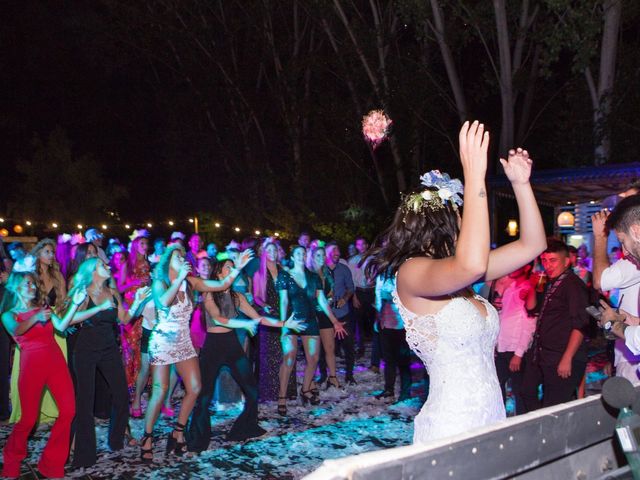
{"x": 437, "y": 254}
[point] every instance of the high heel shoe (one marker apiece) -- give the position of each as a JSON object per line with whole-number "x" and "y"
{"x": 314, "y": 388}
{"x": 146, "y": 454}
{"x": 282, "y": 409}
{"x": 332, "y": 383}
{"x": 309, "y": 397}
{"x": 172, "y": 442}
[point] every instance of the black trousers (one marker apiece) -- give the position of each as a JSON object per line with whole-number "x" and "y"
{"x": 555, "y": 390}
{"x": 365, "y": 315}
{"x": 347, "y": 346}
{"x": 5, "y": 356}
{"x": 502, "y": 360}
{"x": 223, "y": 349}
{"x": 397, "y": 355}
{"x": 109, "y": 363}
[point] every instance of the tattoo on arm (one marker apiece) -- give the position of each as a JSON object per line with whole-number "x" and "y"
{"x": 482, "y": 193}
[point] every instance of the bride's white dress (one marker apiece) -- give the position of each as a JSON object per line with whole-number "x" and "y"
{"x": 457, "y": 347}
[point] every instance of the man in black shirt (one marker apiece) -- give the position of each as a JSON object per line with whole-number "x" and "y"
{"x": 558, "y": 357}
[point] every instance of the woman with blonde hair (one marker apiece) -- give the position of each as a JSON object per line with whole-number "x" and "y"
{"x": 170, "y": 342}
{"x": 42, "y": 364}
{"x": 96, "y": 349}
{"x": 52, "y": 292}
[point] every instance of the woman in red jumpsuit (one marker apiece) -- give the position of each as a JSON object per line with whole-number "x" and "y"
{"x": 42, "y": 364}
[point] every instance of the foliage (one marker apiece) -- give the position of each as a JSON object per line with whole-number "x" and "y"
{"x": 59, "y": 185}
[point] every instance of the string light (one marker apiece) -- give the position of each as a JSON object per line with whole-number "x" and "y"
{"x": 127, "y": 226}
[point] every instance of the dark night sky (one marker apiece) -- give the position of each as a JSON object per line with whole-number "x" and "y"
{"x": 65, "y": 64}
{"x": 53, "y": 74}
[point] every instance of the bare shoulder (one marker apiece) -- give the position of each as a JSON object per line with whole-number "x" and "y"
{"x": 412, "y": 269}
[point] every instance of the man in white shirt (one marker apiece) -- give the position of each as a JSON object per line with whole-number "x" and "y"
{"x": 624, "y": 274}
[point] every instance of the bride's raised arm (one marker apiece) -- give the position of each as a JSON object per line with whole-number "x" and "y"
{"x": 532, "y": 241}
{"x": 429, "y": 277}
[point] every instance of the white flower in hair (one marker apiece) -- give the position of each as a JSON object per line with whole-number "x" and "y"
{"x": 25, "y": 265}
{"x": 426, "y": 194}
{"x": 444, "y": 193}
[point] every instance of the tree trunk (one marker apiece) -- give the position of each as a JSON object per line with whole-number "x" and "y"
{"x": 506, "y": 85}
{"x": 608, "y": 50}
{"x": 447, "y": 57}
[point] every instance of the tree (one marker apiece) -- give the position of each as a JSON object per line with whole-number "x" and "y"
{"x": 61, "y": 186}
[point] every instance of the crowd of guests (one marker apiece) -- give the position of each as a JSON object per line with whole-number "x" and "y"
{"x": 106, "y": 320}
{"x": 545, "y": 329}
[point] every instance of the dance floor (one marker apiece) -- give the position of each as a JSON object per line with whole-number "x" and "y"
{"x": 347, "y": 422}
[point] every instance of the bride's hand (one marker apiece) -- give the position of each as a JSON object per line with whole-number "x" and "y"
{"x": 474, "y": 143}
{"x": 517, "y": 167}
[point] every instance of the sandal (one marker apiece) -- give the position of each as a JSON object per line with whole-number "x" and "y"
{"x": 314, "y": 388}
{"x": 128, "y": 438}
{"x": 282, "y": 409}
{"x": 146, "y": 454}
{"x": 309, "y": 397}
{"x": 335, "y": 383}
{"x": 179, "y": 448}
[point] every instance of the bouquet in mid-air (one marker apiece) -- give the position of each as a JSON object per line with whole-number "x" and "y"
{"x": 375, "y": 127}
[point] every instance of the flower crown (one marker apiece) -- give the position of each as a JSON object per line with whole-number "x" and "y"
{"x": 447, "y": 190}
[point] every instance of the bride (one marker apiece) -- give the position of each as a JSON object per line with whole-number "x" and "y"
{"x": 437, "y": 253}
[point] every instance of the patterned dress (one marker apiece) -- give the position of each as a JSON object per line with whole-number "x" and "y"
{"x": 270, "y": 351}
{"x": 132, "y": 332}
{"x": 170, "y": 340}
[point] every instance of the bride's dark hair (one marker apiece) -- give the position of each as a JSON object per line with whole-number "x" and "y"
{"x": 427, "y": 233}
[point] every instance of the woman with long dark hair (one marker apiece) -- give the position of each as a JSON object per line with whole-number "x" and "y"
{"x": 300, "y": 289}
{"x": 267, "y": 302}
{"x": 437, "y": 253}
{"x": 170, "y": 342}
{"x": 42, "y": 365}
{"x": 222, "y": 348}
{"x": 96, "y": 350}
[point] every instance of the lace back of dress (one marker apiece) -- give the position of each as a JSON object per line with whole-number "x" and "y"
{"x": 422, "y": 331}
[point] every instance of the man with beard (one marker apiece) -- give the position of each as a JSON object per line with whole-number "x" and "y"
{"x": 622, "y": 275}
{"x": 625, "y": 222}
